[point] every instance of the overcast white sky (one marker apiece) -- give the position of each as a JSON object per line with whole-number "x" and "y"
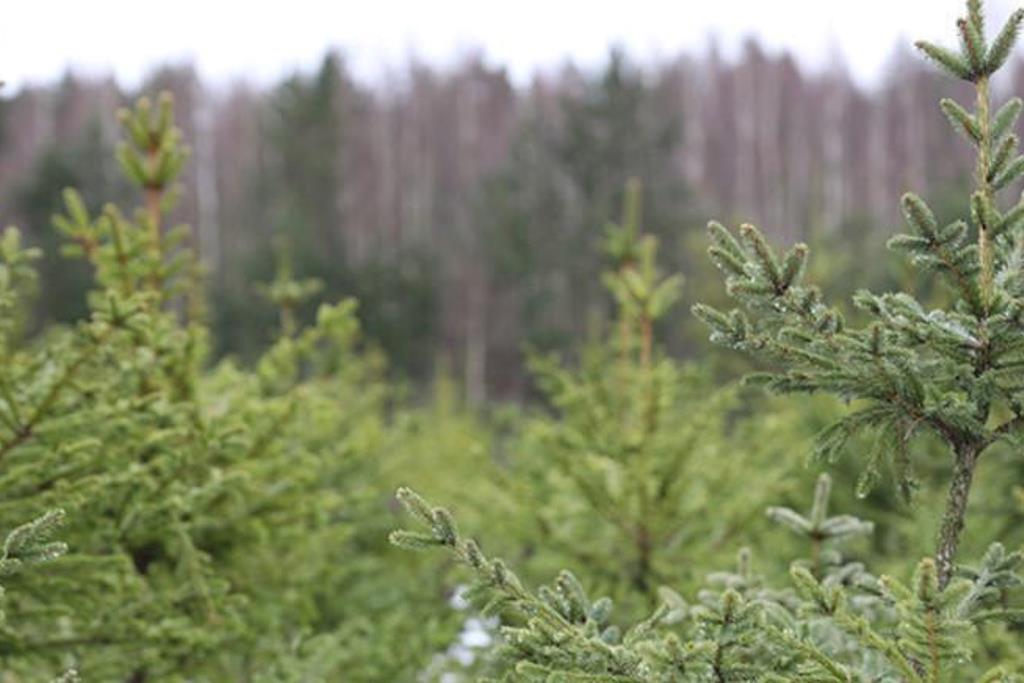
{"x": 262, "y": 40}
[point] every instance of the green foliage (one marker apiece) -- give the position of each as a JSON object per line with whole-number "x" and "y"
{"x": 818, "y": 527}
{"x": 564, "y": 176}
{"x": 27, "y": 545}
{"x": 18, "y": 281}
{"x": 976, "y": 60}
{"x": 951, "y": 371}
{"x": 226, "y": 522}
{"x": 286, "y": 293}
{"x": 837, "y": 622}
{"x": 30, "y": 544}
{"x": 397, "y": 313}
{"x": 614, "y": 479}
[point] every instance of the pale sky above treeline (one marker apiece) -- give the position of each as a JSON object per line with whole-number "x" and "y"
{"x": 261, "y": 41}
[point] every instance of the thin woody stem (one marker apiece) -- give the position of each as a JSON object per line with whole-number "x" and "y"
{"x": 966, "y": 459}
{"x": 153, "y": 199}
{"x": 985, "y": 255}
{"x": 966, "y": 454}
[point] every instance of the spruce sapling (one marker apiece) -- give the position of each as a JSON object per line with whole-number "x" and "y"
{"x": 955, "y": 371}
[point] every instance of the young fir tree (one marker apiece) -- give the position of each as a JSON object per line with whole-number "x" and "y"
{"x": 215, "y": 515}
{"x": 951, "y": 372}
{"x": 635, "y": 445}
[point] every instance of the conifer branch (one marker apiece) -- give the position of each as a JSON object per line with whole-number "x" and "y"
{"x": 986, "y": 192}
{"x": 963, "y": 122}
{"x": 908, "y": 362}
{"x": 152, "y": 157}
{"x": 1003, "y": 45}
{"x": 1005, "y": 118}
{"x": 25, "y": 430}
{"x": 949, "y": 61}
{"x": 561, "y": 617}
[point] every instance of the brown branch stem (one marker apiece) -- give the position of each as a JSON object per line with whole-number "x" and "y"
{"x": 965, "y": 461}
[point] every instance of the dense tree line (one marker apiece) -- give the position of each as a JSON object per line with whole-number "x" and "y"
{"x": 463, "y": 210}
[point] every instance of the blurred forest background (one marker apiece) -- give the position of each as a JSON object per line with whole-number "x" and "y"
{"x": 463, "y": 211}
